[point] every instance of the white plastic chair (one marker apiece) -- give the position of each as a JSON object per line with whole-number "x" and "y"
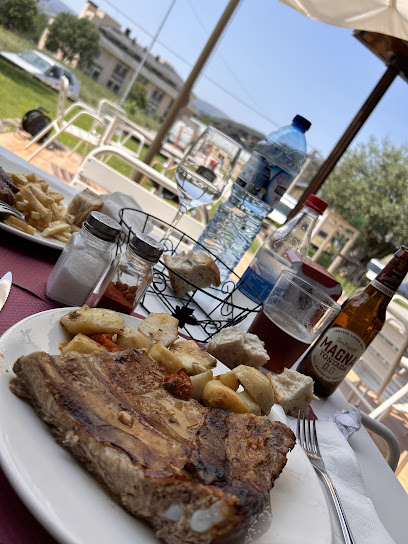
{"x": 93, "y": 169}
{"x": 63, "y": 123}
{"x": 381, "y": 370}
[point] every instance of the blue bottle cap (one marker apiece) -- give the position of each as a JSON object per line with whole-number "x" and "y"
{"x": 301, "y": 123}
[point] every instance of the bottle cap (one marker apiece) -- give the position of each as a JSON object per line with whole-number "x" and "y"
{"x": 302, "y": 123}
{"x": 102, "y": 226}
{"x": 146, "y": 247}
{"x": 316, "y": 204}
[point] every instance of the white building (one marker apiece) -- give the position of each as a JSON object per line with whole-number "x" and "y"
{"x": 121, "y": 56}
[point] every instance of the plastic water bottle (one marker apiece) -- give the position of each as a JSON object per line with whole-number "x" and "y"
{"x": 276, "y": 161}
{"x": 281, "y": 250}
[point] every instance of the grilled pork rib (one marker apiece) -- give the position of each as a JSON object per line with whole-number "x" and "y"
{"x": 195, "y": 474}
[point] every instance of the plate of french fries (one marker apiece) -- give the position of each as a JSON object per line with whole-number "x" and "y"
{"x": 43, "y": 203}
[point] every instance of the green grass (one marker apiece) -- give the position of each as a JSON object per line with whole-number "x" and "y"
{"x": 401, "y": 303}
{"x": 21, "y": 93}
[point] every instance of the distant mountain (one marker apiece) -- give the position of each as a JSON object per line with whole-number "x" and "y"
{"x": 205, "y": 109}
{"x": 51, "y": 8}
{"x": 247, "y": 137}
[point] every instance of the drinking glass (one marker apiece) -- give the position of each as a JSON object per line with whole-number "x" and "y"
{"x": 294, "y": 315}
{"x": 204, "y": 171}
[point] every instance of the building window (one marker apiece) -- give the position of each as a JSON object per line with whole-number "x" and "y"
{"x": 120, "y": 70}
{"x": 95, "y": 74}
{"x": 113, "y": 86}
{"x": 157, "y": 96}
{"x": 169, "y": 107}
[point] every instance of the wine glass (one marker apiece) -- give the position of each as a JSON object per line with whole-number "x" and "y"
{"x": 204, "y": 171}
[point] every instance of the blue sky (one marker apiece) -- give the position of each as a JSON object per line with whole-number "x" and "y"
{"x": 275, "y": 60}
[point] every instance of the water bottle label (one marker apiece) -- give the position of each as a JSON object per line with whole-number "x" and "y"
{"x": 269, "y": 183}
{"x": 254, "y": 282}
{"x": 255, "y": 175}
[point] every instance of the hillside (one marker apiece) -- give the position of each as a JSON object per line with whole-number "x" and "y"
{"x": 205, "y": 109}
{"x": 246, "y": 136}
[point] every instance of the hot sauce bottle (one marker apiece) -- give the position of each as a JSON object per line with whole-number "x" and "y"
{"x": 129, "y": 276}
{"x": 360, "y": 320}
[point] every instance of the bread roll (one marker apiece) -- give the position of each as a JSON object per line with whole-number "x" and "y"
{"x": 232, "y": 346}
{"x": 194, "y": 266}
{"x": 293, "y": 391}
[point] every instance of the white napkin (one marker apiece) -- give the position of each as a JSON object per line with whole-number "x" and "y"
{"x": 343, "y": 468}
{"x": 114, "y": 202}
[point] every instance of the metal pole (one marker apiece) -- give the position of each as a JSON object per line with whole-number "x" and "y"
{"x": 378, "y": 92}
{"x": 136, "y": 74}
{"x": 183, "y": 96}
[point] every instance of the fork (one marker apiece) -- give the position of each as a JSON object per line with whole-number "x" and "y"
{"x": 6, "y": 209}
{"x": 307, "y": 438}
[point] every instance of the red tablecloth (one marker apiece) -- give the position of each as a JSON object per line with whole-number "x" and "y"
{"x": 30, "y": 265}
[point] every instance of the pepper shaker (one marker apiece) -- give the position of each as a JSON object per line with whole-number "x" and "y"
{"x": 84, "y": 260}
{"x": 129, "y": 276}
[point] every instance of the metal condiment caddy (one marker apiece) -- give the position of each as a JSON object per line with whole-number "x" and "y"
{"x": 201, "y": 312}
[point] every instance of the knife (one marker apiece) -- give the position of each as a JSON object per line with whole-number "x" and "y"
{"x": 5, "y": 286}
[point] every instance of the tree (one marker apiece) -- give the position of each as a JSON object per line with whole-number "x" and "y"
{"x": 369, "y": 188}
{"x": 73, "y": 37}
{"x": 18, "y": 15}
{"x": 40, "y": 23}
{"x": 138, "y": 95}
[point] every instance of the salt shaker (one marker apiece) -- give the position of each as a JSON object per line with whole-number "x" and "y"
{"x": 84, "y": 260}
{"x": 129, "y": 276}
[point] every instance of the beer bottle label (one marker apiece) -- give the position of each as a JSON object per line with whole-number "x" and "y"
{"x": 335, "y": 353}
{"x": 388, "y": 280}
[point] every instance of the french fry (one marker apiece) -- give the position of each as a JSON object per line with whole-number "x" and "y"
{"x": 35, "y": 216}
{"x": 19, "y": 179}
{"x": 56, "y": 229}
{"x": 57, "y": 197}
{"x": 39, "y": 193}
{"x": 20, "y": 225}
{"x": 35, "y": 203}
{"x": 69, "y": 218}
{"x": 21, "y": 206}
{"x": 62, "y": 237}
{"x": 43, "y": 209}
{"x": 31, "y": 177}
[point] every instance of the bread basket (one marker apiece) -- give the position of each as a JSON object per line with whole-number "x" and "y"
{"x": 201, "y": 312}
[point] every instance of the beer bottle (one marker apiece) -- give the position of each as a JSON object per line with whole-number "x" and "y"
{"x": 360, "y": 319}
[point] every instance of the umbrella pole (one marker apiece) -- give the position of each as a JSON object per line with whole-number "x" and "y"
{"x": 183, "y": 97}
{"x": 378, "y": 92}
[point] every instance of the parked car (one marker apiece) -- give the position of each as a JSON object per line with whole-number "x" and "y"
{"x": 43, "y": 68}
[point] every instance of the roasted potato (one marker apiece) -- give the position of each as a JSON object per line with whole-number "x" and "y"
{"x": 257, "y": 385}
{"x": 194, "y": 359}
{"x": 82, "y": 344}
{"x": 217, "y": 395}
{"x": 130, "y": 338}
{"x": 199, "y": 382}
{"x": 160, "y": 329}
{"x": 93, "y": 320}
{"x": 229, "y": 379}
{"x": 166, "y": 358}
{"x": 254, "y": 408}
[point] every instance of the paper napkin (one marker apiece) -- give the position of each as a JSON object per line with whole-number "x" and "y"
{"x": 114, "y": 202}
{"x": 344, "y": 470}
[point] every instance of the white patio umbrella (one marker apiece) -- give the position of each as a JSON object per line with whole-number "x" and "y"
{"x": 383, "y": 16}
{"x": 389, "y": 17}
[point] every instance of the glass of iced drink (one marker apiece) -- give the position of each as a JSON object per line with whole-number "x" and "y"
{"x": 294, "y": 315}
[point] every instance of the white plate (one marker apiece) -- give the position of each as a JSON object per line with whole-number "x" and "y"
{"x": 54, "y": 184}
{"x": 72, "y": 505}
